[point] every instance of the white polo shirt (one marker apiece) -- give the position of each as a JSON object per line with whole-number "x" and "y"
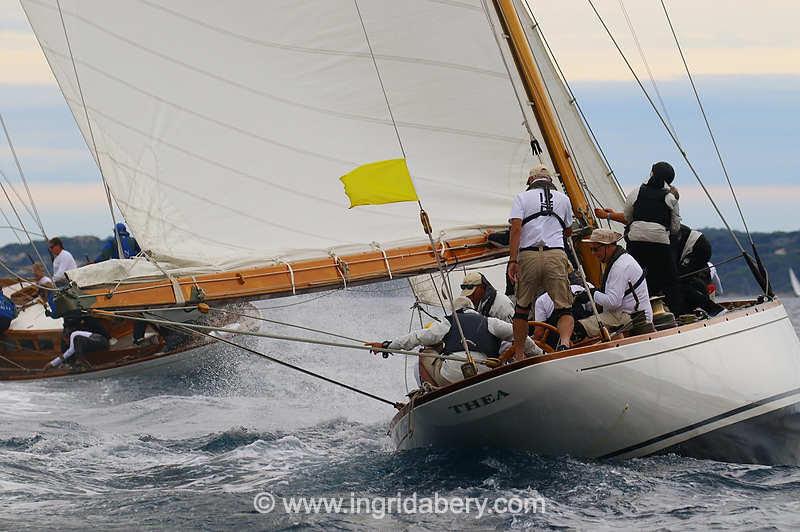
{"x": 544, "y": 230}
{"x": 544, "y": 307}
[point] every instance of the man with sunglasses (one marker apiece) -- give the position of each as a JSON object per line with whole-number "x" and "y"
{"x": 485, "y": 298}
{"x": 623, "y": 289}
{"x": 62, "y": 262}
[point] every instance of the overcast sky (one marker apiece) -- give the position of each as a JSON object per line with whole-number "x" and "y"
{"x": 746, "y": 56}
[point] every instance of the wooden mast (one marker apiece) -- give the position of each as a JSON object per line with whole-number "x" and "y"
{"x": 542, "y": 110}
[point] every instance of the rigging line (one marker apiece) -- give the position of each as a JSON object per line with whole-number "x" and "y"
{"x": 23, "y": 279}
{"x": 574, "y": 99}
{"x": 708, "y": 124}
{"x": 568, "y": 144}
{"x": 91, "y": 131}
{"x": 309, "y": 300}
{"x": 22, "y": 201}
{"x": 25, "y": 229}
{"x": 276, "y": 322}
{"x": 647, "y": 66}
{"x": 525, "y": 121}
{"x": 35, "y": 214}
{"x": 714, "y": 265}
{"x": 211, "y": 328}
{"x": 13, "y": 228}
{"x": 423, "y": 214}
{"x": 669, "y": 131}
{"x": 380, "y": 80}
{"x": 286, "y": 364}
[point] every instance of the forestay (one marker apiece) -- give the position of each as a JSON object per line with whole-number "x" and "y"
{"x": 222, "y": 128}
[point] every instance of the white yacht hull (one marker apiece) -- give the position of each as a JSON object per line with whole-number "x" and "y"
{"x": 631, "y": 399}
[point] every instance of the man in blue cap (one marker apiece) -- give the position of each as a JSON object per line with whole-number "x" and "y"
{"x": 130, "y": 248}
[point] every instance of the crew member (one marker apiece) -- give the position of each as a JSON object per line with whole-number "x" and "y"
{"x": 693, "y": 252}
{"x": 63, "y": 261}
{"x": 544, "y": 307}
{"x": 540, "y": 222}
{"x": 651, "y": 215}
{"x": 623, "y": 289}
{"x": 130, "y": 247}
{"x": 485, "y": 298}
{"x": 8, "y": 311}
{"x": 483, "y": 335}
{"x": 80, "y": 336}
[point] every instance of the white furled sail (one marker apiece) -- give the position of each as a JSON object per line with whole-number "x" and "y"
{"x": 223, "y": 127}
{"x": 603, "y": 190}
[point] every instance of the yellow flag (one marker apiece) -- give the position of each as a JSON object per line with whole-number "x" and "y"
{"x": 378, "y": 183}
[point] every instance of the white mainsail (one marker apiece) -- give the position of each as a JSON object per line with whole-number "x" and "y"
{"x": 222, "y": 129}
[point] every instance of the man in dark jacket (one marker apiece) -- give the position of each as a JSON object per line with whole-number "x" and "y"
{"x": 692, "y": 251}
{"x": 130, "y": 248}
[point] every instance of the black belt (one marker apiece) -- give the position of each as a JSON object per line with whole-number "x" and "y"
{"x": 539, "y": 248}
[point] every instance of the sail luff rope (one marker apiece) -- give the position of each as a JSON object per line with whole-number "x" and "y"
{"x": 708, "y": 124}
{"x": 647, "y": 66}
{"x": 574, "y": 99}
{"x": 669, "y": 131}
{"x": 525, "y": 121}
{"x": 423, "y": 214}
{"x": 91, "y": 132}
{"x": 22, "y": 224}
{"x": 35, "y": 214}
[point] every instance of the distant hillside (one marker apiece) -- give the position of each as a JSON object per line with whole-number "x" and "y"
{"x": 19, "y": 256}
{"x": 779, "y": 251}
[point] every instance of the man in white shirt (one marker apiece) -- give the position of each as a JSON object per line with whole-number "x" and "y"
{"x": 544, "y": 307}
{"x": 485, "y": 298}
{"x": 623, "y": 289}
{"x": 62, "y": 262}
{"x": 484, "y": 336}
{"x": 540, "y": 222}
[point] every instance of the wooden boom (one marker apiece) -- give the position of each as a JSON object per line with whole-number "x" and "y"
{"x": 284, "y": 279}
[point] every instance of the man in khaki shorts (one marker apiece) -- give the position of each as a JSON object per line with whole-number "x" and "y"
{"x": 540, "y": 222}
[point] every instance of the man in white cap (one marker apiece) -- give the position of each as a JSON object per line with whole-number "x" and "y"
{"x": 485, "y": 298}
{"x": 484, "y": 336}
{"x": 540, "y": 222}
{"x": 623, "y": 289}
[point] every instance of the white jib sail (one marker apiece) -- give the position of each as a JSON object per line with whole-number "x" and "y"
{"x": 223, "y": 128}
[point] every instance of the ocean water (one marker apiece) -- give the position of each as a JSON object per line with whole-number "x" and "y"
{"x": 195, "y": 449}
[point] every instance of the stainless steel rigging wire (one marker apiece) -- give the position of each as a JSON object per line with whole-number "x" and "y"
{"x": 91, "y": 132}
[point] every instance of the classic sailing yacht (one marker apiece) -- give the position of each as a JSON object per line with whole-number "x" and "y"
{"x": 222, "y": 132}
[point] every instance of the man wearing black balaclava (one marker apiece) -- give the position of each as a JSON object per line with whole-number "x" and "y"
{"x": 651, "y": 215}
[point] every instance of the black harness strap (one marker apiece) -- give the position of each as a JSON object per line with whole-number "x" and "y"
{"x": 632, "y": 287}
